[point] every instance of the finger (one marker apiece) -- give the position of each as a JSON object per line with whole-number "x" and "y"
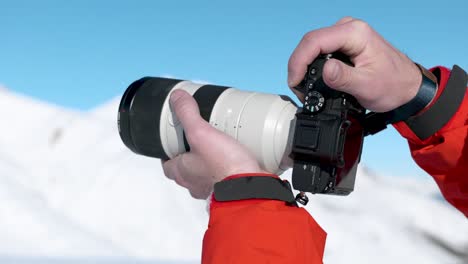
{"x": 170, "y": 168}
{"x": 197, "y": 130}
{"x": 180, "y": 169}
{"x": 181, "y": 182}
{"x": 186, "y": 109}
{"x": 348, "y": 38}
{"x": 342, "y": 77}
{"x": 344, "y": 20}
{"x": 299, "y": 95}
{"x": 201, "y": 194}
{"x": 163, "y": 165}
{"x": 175, "y": 170}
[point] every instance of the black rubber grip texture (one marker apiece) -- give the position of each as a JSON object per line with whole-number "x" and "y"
{"x": 140, "y": 115}
{"x": 253, "y": 187}
{"x": 206, "y": 97}
{"x": 432, "y": 120}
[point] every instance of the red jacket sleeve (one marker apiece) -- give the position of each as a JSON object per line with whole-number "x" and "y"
{"x": 268, "y": 231}
{"x": 445, "y": 154}
{"x": 261, "y": 231}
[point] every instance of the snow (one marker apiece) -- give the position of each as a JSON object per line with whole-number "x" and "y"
{"x": 109, "y": 260}
{"x": 71, "y": 192}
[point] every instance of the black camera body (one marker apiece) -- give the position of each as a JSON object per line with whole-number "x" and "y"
{"x": 328, "y": 135}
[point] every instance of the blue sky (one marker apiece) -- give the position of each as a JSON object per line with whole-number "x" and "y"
{"x": 83, "y": 53}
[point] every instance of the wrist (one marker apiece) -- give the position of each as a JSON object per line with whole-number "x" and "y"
{"x": 443, "y": 113}
{"x": 419, "y": 98}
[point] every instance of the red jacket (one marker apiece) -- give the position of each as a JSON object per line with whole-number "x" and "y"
{"x": 250, "y": 231}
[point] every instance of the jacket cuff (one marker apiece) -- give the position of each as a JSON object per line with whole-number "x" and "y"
{"x": 457, "y": 120}
{"x": 213, "y": 203}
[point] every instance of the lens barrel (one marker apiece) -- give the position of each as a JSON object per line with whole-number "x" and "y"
{"x": 140, "y": 115}
{"x": 262, "y": 122}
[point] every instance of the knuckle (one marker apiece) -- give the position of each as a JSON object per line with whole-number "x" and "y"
{"x": 200, "y": 192}
{"x": 344, "y": 20}
{"x": 344, "y": 78}
{"x": 183, "y": 107}
{"x": 195, "y": 194}
{"x": 347, "y": 18}
{"x": 179, "y": 99}
{"x": 180, "y": 182}
{"x": 309, "y": 37}
{"x": 169, "y": 171}
{"x": 343, "y": 82}
{"x": 183, "y": 179}
{"x": 347, "y": 79}
{"x": 360, "y": 26}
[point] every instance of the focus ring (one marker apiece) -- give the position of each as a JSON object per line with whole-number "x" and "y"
{"x": 140, "y": 115}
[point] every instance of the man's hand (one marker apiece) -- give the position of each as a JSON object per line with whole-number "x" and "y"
{"x": 213, "y": 155}
{"x": 383, "y": 78}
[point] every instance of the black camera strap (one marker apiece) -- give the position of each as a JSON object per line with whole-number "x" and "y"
{"x": 432, "y": 120}
{"x": 254, "y": 187}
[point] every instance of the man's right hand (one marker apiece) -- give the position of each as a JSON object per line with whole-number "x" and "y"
{"x": 383, "y": 78}
{"x": 213, "y": 154}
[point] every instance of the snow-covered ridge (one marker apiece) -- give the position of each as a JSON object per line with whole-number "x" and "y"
{"x": 69, "y": 189}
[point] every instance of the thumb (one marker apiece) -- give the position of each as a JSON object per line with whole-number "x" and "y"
{"x": 340, "y": 76}
{"x": 186, "y": 109}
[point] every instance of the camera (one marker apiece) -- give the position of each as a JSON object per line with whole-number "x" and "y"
{"x": 328, "y": 137}
{"x": 322, "y": 140}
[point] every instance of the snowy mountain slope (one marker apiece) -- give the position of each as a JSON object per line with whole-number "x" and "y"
{"x": 108, "y": 182}
{"x": 30, "y": 126}
{"x": 69, "y": 172}
{"x": 30, "y": 226}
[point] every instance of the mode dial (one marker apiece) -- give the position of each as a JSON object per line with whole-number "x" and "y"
{"x": 314, "y": 101}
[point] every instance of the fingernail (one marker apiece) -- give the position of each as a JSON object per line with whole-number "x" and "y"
{"x": 175, "y": 95}
{"x": 335, "y": 71}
